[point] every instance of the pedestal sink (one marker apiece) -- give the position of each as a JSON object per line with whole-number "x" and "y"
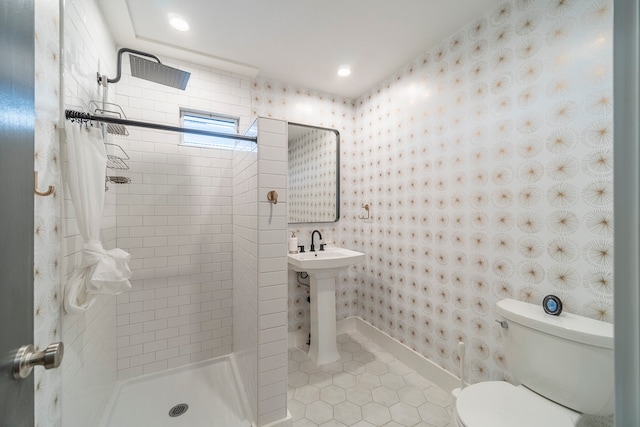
{"x": 323, "y": 268}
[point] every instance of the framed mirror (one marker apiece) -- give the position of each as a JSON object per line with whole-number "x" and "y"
{"x": 314, "y": 174}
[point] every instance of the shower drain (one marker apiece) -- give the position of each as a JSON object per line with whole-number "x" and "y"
{"x": 178, "y": 410}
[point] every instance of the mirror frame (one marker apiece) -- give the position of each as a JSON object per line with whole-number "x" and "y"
{"x": 337, "y": 133}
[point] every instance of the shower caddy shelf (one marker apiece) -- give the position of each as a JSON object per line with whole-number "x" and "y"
{"x": 116, "y": 161}
{"x": 116, "y": 156}
{"x": 117, "y": 112}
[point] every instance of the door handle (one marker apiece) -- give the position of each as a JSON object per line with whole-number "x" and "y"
{"x": 27, "y": 357}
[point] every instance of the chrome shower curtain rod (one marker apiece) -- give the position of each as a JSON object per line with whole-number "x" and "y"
{"x": 85, "y": 117}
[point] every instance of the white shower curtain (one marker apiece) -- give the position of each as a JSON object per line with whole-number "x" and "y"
{"x": 100, "y": 271}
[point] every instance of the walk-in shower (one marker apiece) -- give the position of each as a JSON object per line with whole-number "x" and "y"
{"x": 182, "y": 345}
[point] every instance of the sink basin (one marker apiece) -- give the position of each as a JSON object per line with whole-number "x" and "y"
{"x": 329, "y": 259}
{"x": 323, "y": 268}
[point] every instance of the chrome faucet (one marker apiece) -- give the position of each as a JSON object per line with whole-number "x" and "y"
{"x": 313, "y": 247}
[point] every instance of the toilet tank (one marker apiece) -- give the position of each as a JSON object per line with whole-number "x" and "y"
{"x": 566, "y": 358}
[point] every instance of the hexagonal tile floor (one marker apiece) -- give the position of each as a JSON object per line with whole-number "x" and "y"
{"x": 367, "y": 387}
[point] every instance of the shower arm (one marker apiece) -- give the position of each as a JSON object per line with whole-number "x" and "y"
{"x": 103, "y": 79}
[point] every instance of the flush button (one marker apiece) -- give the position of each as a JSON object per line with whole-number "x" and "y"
{"x": 552, "y": 305}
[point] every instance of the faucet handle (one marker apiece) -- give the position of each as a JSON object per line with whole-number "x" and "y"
{"x": 301, "y": 248}
{"x": 322, "y": 245}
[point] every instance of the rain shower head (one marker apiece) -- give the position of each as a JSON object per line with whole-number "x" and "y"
{"x": 158, "y": 72}
{"x": 149, "y": 70}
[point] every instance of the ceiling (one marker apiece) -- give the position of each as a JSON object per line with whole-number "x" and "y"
{"x": 299, "y": 42}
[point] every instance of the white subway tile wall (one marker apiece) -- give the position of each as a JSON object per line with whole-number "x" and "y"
{"x": 245, "y": 271}
{"x": 88, "y": 373}
{"x": 272, "y": 272}
{"x": 176, "y": 218}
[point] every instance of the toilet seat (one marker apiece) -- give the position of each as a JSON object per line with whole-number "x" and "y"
{"x": 500, "y": 404}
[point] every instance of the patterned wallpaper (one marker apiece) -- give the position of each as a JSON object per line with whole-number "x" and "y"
{"x": 47, "y": 220}
{"x": 312, "y": 177}
{"x": 488, "y": 165}
{"x": 487, "y": 162}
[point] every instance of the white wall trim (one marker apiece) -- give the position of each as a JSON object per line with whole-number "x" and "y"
{"x": 285, "y": 422}
{"x": 246, "y": 406}
{"x": 423, "y": 366}
{"x": 297, "y": 339}
{"x": 347, "y": 325}
{"x": 626, "y": 184}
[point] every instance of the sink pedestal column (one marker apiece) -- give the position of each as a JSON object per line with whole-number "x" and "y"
{"x": 323, "y": 348}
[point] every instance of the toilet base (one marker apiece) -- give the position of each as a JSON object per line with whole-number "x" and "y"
{"x": 565, "y": 416}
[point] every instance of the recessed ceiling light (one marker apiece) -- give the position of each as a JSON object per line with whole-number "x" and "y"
{"x": 344, "y": 71}
{"x": 179, "y": 23}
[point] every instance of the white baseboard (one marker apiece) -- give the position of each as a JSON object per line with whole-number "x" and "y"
{"x": 285, "y": 422}
{"x": 347, "y": 325}
{"x": 423, "y": 366}
{"x": 297, "y": 338}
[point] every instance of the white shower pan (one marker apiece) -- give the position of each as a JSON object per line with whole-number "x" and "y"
{"x": 209, "y": 388}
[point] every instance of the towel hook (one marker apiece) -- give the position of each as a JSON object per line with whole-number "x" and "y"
{"x": 49, "y": 191}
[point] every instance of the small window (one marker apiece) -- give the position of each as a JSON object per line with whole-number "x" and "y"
{"x": 209, "y": 122}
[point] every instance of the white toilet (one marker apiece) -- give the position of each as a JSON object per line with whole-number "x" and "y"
{"x": 563, "y": 363}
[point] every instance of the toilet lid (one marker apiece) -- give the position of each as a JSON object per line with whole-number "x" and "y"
{"x": 500, "y": 404}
